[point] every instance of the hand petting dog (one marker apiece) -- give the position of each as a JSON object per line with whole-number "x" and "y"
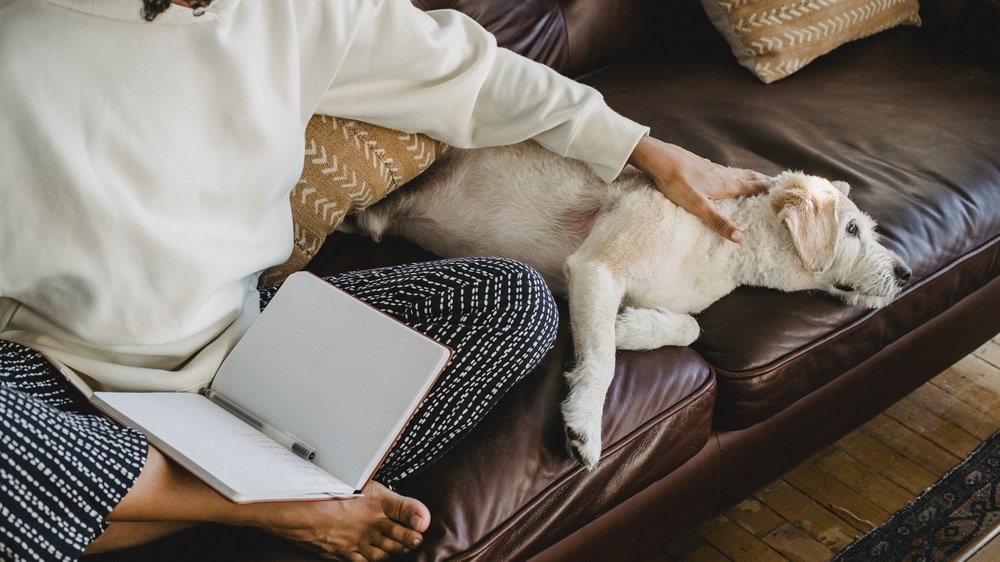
{"x": 691, "y": 182}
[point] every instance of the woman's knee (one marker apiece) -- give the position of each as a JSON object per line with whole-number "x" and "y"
{"x": 521, "y": 291}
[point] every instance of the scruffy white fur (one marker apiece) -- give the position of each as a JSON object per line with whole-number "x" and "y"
{"x": 634, "y": 265}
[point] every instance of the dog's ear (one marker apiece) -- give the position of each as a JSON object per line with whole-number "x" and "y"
{"x": 811, "y": 217}
{"x": 842, "y": 186}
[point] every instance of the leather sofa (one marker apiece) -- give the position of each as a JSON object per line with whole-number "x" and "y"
{"x": 909, "y": 117}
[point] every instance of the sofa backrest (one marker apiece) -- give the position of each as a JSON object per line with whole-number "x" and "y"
{"x": 572, "y": 36}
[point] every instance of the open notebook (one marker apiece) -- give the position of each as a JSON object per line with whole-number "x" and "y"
{"x": 306, "y": 405}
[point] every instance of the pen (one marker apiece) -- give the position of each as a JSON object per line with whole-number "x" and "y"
{"x": 282, "y": 437}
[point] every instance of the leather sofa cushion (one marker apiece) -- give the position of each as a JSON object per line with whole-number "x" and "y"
{"x": 911, "y": 127}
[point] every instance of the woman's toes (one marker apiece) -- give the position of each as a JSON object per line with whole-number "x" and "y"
{"x": 373, "y": 553}
{"x": 403, "y": 510}
{"x": 395, "y": 538}
{"x": 389, "y": 545}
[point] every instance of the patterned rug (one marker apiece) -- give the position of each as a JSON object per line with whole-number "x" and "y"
{"x": 956, "y": 509}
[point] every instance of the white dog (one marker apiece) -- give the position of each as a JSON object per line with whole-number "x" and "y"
{"x": 633, "y": 265}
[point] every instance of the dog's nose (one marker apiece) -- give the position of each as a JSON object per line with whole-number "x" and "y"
{"x": 902, "y": 272}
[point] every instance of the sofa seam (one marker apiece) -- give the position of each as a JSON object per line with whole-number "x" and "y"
{"x": 718, "y": 475}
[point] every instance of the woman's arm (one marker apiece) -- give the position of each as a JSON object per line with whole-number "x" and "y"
{"x": 440, "y": 73}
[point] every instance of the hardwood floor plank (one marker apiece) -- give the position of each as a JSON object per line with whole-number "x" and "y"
{"x": 888, "y": 462}
{"x": 796, "y": 545}
{"x": 979, "y": 371}
{"x": 736, "y": 542}
{"x": 970, "y": 391}
{"x": 817, "y": 521}
{"x": 957, "y": 412}
{"x": 913, "y": 445}
{"x": 990, "y": 352}
{"x": 755, "y": 517}
{"x": 942, "y": 432}
{"x": 832, "y": 494}
{"x": 865, "y": 481}
{"x": 685, "y": 545}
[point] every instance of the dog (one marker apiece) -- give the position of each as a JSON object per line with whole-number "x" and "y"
{"x": 633, "y": 265}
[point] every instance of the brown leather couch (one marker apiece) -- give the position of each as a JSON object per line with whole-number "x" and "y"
{"x": 909, "y": 117}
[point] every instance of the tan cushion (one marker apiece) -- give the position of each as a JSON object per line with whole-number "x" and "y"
{"x": 775, "y": 38}
{"x": 349, "y": 165}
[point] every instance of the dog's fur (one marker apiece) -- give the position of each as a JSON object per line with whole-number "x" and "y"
{"x": 634, "y": 265}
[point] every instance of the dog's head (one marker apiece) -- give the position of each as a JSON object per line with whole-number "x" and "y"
{"x": 837, "y": 242}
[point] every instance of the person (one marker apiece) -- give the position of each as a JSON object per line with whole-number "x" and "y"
{"x": 146, "y": 158}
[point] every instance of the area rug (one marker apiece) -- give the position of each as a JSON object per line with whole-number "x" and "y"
{"x": 951, "y": 513}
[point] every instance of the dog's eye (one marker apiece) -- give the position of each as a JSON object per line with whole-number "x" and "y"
{"x": 852, "y": 228}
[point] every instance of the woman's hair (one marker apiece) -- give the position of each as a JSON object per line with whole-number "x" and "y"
{"x": 153, "y": 8}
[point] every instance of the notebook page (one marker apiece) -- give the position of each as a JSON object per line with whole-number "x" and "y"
{"x": 236, "y": 459}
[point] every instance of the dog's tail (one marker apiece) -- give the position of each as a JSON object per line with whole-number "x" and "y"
{"x": 373, "y": 222}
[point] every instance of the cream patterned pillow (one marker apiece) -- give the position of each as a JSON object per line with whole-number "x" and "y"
{"x": 349, "y": 165}
{"x": 774, "y": 38}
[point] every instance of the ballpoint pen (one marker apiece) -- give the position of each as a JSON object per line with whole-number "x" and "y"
{"x": 282, "y": 437}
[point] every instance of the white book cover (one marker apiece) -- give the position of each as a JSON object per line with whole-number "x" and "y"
{"x": 319, "y": 372}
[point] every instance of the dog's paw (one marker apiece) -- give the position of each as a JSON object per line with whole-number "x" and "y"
{"x": 582, "y": 420}
{"x": 582, "y": 449}
{"x": 688, "y": 329}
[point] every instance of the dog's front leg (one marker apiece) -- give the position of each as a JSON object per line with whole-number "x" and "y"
{"x": 652, "y": 328}
{"x": 594, "y": 297}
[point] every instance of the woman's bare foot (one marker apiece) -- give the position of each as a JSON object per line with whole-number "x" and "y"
{"x": 166, "y": 498}
{"x": 373, "y": 527}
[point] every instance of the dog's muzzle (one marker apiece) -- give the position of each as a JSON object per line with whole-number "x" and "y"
{"x": 902, "y": 273}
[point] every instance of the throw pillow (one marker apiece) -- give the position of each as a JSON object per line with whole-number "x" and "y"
{"x": 349, "y": 165}
{"x": 775, "y": 38}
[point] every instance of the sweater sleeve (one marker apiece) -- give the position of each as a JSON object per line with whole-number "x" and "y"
{"x": 441, "y": 74}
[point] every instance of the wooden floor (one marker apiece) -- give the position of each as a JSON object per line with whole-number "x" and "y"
{"x": 843, "y": 491}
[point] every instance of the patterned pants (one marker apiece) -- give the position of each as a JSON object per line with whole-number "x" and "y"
{"x": 63, "y": 467}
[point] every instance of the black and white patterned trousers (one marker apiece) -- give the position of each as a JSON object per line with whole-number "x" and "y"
{"x": 63, "y": 466}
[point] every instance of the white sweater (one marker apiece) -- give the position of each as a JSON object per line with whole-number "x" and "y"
{"x": 145, "y": 168}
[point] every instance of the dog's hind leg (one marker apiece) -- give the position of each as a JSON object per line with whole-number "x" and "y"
{"x": 651, "y": 328}
{"x": 594, "y": 297}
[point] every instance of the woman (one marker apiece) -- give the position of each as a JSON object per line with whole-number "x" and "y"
{"x": 146, "y": 159}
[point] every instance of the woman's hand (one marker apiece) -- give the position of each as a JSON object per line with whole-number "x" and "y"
{"x": 691, "y": 182}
